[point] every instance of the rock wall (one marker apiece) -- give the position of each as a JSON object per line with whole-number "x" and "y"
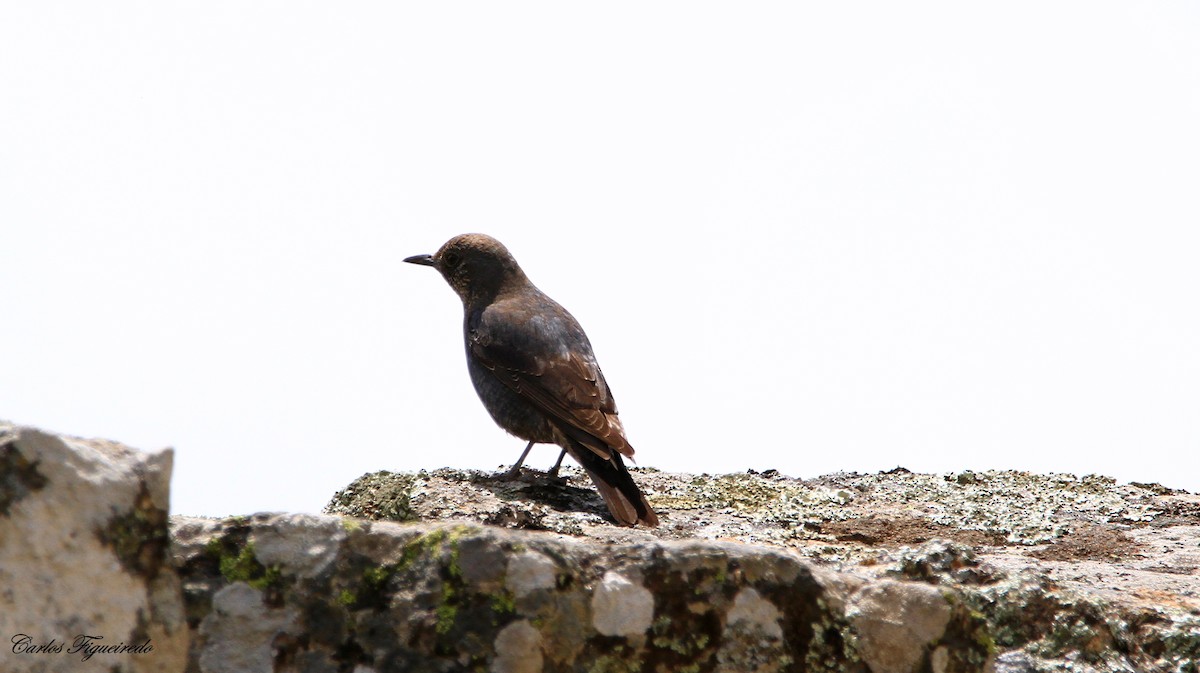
{"x": 85, "y": 582}
{"x": 382, "y": 596}
{"x": 866, "y": 573}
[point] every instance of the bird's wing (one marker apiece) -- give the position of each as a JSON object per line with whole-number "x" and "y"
{"x": 565, "y": 385}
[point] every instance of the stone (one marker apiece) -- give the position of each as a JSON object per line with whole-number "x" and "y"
{"x": 1003, "y": 572}
{"x": 411, "y": 605}
{"x": 753, "y": 612}
{"x": 83, "y": 552}
{"x": 753, "y": 639}
{"x": 481, "y": 563}
{"x": 518, "y": 649}
{"x": 1015, "y": 662}
{"x": 621, "y": 607}
{"x": 528, "y": 572}
{"x": 241, "y": 632}
{"x": 751, "y": 574}
{"x": 304, "y": 544}
{"x": 896, "y": 622}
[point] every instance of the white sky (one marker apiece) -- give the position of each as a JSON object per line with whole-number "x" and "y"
{"x": 844, "y": 236}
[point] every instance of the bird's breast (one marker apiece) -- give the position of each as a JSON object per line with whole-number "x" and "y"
{"x": 506, "y": 406}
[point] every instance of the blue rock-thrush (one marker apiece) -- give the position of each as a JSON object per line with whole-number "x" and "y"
{"x": 534, "y": 370}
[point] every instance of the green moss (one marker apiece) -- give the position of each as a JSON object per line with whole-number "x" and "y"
{"x": 242, "y": 567}
{"x": 213, "y": 547}
{"x": 431, "y": 542}
{"x": 447, "y": 611}
{"x": 431, "y": 545}
{"x": 376, "y": 496}
{"x": 237, "y": 563}
{"x": 139, "y": 537}
{"x": 19, "y": 476}
{"x": 445, "y": 618}
{"x": 659, "y": 628}
{"x": 617, "y": 662}
{"x": 967, "y": 639}
{"x": 246, "y": 568}
{"x": 372, "y": 589}
{"x": 272, "y": 578}
{"x": 686, "y": 640}
{"x": 504, "y": 603}
{"x": 377, "y": 576}
{"x": 685, "y": 646}
{"x": 833, "y": 646}
{"x": 983, "y": 637}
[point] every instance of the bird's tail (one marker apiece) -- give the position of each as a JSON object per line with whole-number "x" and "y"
{"x": 616, "y": 486}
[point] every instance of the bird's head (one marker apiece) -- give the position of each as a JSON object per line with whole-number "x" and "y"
{"x": 477, "y": 266}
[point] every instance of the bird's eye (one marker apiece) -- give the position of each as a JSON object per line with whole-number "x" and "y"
{"x": 451, "y": 259}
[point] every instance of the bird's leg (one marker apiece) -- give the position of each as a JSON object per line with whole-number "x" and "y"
{"x": 553, "y": 473}
{"x": 515, "y": 470}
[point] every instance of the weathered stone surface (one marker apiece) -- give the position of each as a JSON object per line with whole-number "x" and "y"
{"x": 621, "y": 607}
{"x": 397, "y": 598}
{"x": 529, "y": 572}
{"x": 953, "y": 572}
{"x": 241, "y": 632}
{"x": 83, "y": 552}
{"x": 518, "y": 649}
{"x": 895, "y": 623}
{"x": 752, "y": 612}
{"x": 992, "y": 571}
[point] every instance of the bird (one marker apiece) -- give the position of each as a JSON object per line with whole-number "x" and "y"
{"x": 533, "y": 368}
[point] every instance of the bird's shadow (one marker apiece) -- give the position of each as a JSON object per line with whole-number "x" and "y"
{"x": 540, "y": 487}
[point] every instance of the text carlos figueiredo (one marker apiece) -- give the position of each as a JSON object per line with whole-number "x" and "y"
{"x": 83, "y": 645}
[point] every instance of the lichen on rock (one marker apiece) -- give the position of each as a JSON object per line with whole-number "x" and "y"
{"x": 83, "y": 550}
{"x": 452, "y": 570}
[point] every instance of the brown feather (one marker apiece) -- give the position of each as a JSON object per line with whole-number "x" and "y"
{"x": 616, "y": 486}
{"x": 571, "y": 392}
{"x": 533, "y": 368}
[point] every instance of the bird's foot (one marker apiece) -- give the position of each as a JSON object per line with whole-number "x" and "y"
{"x": 514, "y": 472}
{"x": 553, "y": 473}
{"x": 511, "y": 474}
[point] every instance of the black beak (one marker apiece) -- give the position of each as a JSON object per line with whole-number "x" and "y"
{"x": 423, "y": 260}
